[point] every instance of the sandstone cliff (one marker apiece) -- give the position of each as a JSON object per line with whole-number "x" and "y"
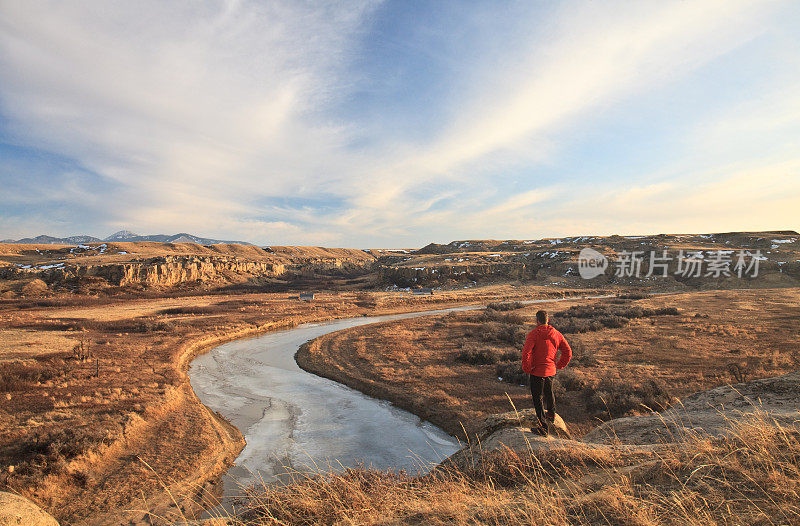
{"x": 171, "y": 264}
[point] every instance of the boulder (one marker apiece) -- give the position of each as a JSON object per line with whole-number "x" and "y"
{"x": 19, "y": 511}
{"x": 512, "y": 430}
{"x": 522, "y": 418}
{"x": 522, "y": 439}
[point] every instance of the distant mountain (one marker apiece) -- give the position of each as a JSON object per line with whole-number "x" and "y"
{"x": 182, "y": 237}
{"x": 50, "y": 240}
{"x": 122, "y": 235}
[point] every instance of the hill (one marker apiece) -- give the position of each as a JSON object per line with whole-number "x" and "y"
{"x": 136, "y": 264}
{"x": 122, "y": 235}
{"x": 556, "y": 261}
{"x": 742, "y": 259}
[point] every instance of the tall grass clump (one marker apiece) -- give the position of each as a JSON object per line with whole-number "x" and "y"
{"x": 748, "y": 476}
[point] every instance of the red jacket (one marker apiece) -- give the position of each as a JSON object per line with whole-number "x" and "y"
{"x": 539, "y": 352}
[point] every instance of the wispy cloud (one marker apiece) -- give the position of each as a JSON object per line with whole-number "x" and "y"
{"x": 190, "y": 110}
{"x": 244, "y": 119}
{"x": 592, "y": 56}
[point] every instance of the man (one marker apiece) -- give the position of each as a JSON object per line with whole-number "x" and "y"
{"x": 539, "y": 361}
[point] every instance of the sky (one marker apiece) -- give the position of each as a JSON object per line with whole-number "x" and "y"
{"x": 361, "y": 123}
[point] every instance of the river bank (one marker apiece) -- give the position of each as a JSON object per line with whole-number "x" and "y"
{"x": 81, "y": 427}
{"x": 292, "y": 419}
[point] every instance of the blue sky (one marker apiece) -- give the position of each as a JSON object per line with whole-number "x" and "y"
{"x": 394, "y": 124}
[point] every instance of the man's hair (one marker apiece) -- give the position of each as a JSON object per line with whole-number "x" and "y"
{"x": 541, "y": 317}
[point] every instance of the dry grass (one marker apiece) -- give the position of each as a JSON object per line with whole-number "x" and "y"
{"x": 749, "y": 476}
{"x": 445, "y": 369}
{"x": 133, "y": 388}
{"x": 130, "y": 394}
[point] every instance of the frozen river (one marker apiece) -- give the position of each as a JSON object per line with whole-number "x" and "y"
{"x": 292, "y": 419}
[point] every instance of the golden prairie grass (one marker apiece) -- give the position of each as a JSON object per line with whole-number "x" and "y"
{"x": 435, "y": 366}
{"x": 58, "y": 412}
{"x": 751, "y": 475}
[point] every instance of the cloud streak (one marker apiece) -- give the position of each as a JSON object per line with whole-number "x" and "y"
{"x": 203, "y": 118}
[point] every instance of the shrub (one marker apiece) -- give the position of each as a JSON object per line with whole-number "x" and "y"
{"x": 505, "y": 305}
{"x": 477, "y": 356}
{"x": 511, "y": 372}
{"x": 365, "y": 300}
{"x": 632, "y": 296}
{"x": 16, "y": 375}
{"x": 613, "y": 321}
{"x": 511, "y": 355}
{"x": 575, "y": 325}
{"x": 667, "y": 311}
{"x": 142, "y": 325}
{"x": 196, "y": 309}
{"x": 558, "y": 388}
{"x": 48, "y": 451}
{"x": 614, "y": 398}
{"x": 586, "y": 318}
{"x": 493, "y": 331}
{"x": 582, "y": 355}
{"x": 513, "y": 318}
{"x": 574, "y": 379}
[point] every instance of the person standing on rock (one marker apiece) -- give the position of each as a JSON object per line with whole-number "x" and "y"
{"x": 539, "y": 361}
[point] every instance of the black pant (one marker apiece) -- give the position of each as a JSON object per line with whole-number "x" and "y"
{"x": 543, "y": 386}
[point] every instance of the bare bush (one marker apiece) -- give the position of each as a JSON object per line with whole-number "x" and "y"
{"x": 139, "y": 325}
{"x": 587, "y": 318}
{"x": 477, "y": 356}
{"x": 614, "y": 398}
{"x": 575, "y": 379}
{"x": 511, "y": 372}
{"x": 575, "y": 325}
{"x": 493, "y": 331}
{"x": 505, "y": 305}
{"x": 48, "y": 452}
{"x": 192, "y": 309}
{"x": 581, "y": 354}
{"x": 18, "y": 375}
{"x": 632, "y": 296}
{"x": 513, "y": 318}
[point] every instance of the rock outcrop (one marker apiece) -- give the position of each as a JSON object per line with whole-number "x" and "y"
{"x": 161, "y": 271}
{"x": 442, "y": 274}
{"x": 512, "y": 431}
{"x": 526, "y": 418}
{"x": 19, "y": 511}
{"x": 548, "y": 260}
{"x": 118, "y": 268}
{"x": 557, "y": 259}
{"x": 710, "y": 413}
